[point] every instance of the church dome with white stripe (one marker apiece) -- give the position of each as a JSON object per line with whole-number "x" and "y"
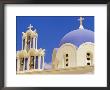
{"x": 76, "y": 49}
{"x": 78, "y": 37}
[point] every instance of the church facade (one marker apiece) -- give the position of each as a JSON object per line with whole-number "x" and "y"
{"x": 76, "y": 49}
{"x": 30, "y": 58}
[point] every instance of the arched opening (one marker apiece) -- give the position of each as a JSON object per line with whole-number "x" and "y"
{"x": 32, "y": 43}
{"x": 21, "y": 64}
{"x": 16, "y": 64}
{"x": 32, "y": 62}
{"x": 41, "y": 62}
{"x": 35, "y": 43}
{"x": 23, "y": 43}
{"x": 26, "y": 61}
{"x": 36, "y": 65}
{"x": 28, "y": 43}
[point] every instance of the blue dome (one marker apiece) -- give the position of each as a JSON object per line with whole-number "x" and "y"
{"x": 78, "y": 37}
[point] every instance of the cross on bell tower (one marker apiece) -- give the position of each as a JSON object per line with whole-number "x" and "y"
{"x": 30, "y": 27}
{"x": 81, "y": 21}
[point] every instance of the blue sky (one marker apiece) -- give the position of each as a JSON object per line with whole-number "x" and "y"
{"x": 50, "y": 29}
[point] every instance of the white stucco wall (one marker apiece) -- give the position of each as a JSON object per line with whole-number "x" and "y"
{"x": 69, "y": 49}
{"x": 81, "y": 54}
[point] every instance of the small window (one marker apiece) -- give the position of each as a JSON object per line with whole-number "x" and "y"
{"x": 88, "y": 54}
{"x": 88, "y": 63}
{"x": 67, "y": 64}
{"x": 88, "y": 58}
{"x": 66, "y": 55}
{"x": 66, "y": 60}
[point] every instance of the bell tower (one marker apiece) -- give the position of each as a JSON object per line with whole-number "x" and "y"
{"x": 29, "y": 39}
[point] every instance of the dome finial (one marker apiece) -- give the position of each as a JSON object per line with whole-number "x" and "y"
{"x": 81, "y": 20}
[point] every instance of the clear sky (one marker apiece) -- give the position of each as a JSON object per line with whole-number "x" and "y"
{"x": 50, "y": 29}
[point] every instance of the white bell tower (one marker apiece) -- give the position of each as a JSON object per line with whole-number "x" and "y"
{"x": 29, "y": 39}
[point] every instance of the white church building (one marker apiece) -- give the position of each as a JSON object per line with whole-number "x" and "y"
{"x": 30, "y": 58}
{"x": 76, "y": 49}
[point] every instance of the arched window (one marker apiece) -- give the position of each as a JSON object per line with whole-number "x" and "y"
{"x": 26, "y": 60}
{"x": 66, "y": 60}
{"x": 88, "y": 63}
{"x": 66, "y": 55}
{"x": 67, "y": 64}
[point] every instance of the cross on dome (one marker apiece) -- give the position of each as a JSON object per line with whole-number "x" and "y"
{"x": 81, "y": 21}
{"x": 30, "y": 27}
